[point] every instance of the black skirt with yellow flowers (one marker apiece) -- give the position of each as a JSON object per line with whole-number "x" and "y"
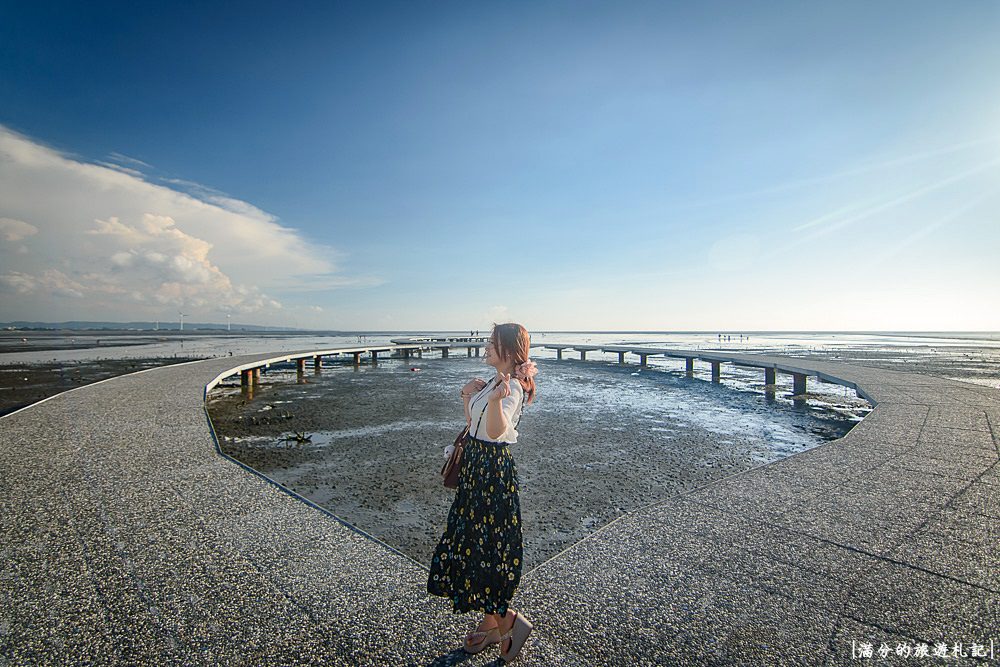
{"x": 477, "y": 563}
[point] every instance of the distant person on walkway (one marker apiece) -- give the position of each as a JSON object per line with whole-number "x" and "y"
{"x": 477, "y": 564}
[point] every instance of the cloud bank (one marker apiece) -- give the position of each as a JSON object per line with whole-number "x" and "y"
{"x": 98, "y": 241}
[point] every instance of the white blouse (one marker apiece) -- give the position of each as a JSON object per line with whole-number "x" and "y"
{"x": 511, "y": 407}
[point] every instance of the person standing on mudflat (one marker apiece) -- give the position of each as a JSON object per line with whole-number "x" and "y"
{"x": 477, "y": 563}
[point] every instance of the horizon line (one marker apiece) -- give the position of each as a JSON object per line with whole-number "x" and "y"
{"x": 284, "y": 328}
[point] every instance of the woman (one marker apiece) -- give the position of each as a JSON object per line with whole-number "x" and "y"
{"x": 477, "y": 563}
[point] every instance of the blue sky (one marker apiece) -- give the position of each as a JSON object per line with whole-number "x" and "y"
{"x": 416, "y": 165}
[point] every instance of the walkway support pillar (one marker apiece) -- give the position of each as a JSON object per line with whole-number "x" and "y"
{"x": 244, "y": 379}
{"x": 255, "y": 377}
{"x": 477, "y": 350}
{"x": 468, "y": 351}
{"x": 559, "y": 353}
{"x": 798, "y": 384}
{"x": 689, "y": 367}
{"x": 716, "y": 371}
{"x": 444, "y": 353}
{"x": 374, "y": 354}
{"x": 770, "y": 380}
{"x": 621, "y": 357}
{"x": 583, "y": 355}
{"x": 317, "y": 363}
{"x": 357, "y": 358}
{"x": 300, "y": 366}
{"x": 642, "y": 359}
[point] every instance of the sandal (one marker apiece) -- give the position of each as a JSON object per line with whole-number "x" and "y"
{"x": 488, "y": 638}
{"x": 518, "y": 635}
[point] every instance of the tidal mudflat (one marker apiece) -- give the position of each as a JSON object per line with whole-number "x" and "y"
{"x": 601, "y": 440}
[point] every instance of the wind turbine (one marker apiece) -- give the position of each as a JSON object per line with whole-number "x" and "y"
{"x": 182, "y": 319}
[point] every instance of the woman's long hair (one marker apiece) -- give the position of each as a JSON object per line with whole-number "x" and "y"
{"x": 512, "y": 341}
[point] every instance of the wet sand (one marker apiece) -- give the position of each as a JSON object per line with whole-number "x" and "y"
{"x": 599, "y": 442}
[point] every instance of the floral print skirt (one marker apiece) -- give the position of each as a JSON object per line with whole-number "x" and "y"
{"x": 477, "y": 563}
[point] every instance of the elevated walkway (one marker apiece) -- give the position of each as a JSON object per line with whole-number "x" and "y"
{"x": 127, "y": 538}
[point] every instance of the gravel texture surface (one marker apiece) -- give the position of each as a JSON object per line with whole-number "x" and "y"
{"x": 128, "y": 539}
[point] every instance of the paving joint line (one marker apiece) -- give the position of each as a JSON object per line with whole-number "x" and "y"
{"x": 137, "y": 585}
{"x": 293, "y": 602}
{"x": 303, "y": 499}
{"x": 858, "y": 550}
{"x": 88, "y": 563}
{"x": 948, "y": 505}
{"x": 993, "y": 433}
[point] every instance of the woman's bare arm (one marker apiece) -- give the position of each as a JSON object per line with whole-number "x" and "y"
{"x": 496, "y": 422}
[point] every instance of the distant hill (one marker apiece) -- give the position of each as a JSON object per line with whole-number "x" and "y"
{"x": 137, "y": 326}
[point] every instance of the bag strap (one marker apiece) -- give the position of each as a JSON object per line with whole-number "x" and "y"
{"x": 480, "y": 421}
{"x": 484, "y": 409}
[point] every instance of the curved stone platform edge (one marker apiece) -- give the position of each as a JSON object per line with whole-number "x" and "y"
{"x": 116, "y": 520}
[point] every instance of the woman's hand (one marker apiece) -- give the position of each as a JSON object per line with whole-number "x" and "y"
{"x": 473, "y": 386}
{"x": 502, "y": 390}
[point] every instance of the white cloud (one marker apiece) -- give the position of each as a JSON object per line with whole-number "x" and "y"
{"x": 53, "y": 281}
{"x": 124, "y": 246}
{"x": 125, "y": 159}
{"x": 118, "y": 167}
{"x": 16, "y": 230}
{"x": 18, "y": 282}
